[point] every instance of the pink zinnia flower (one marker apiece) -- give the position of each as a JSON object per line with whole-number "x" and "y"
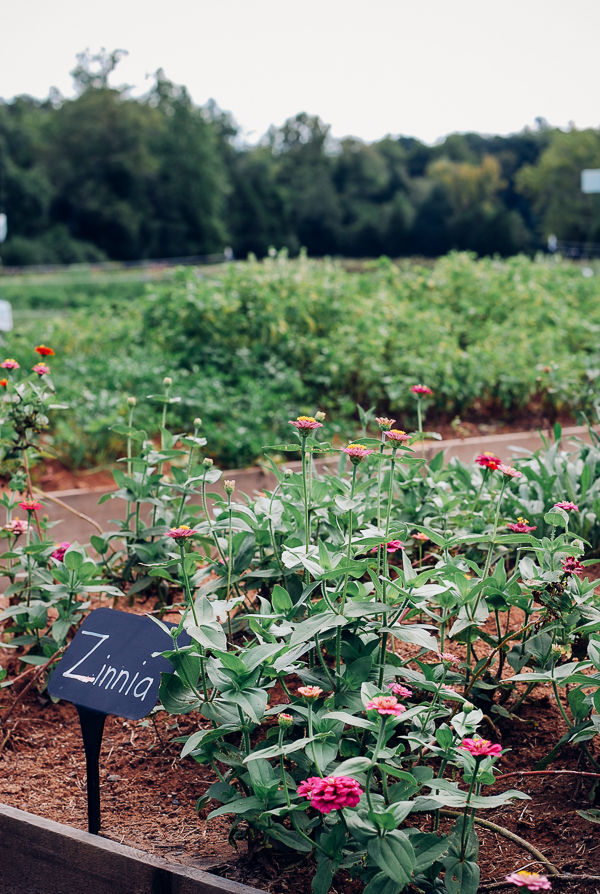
{"x": 331, "y": 792}
{"x": 384, "y": 423}
{"x": 521, "y": 526}
{"x": 17, "y": 526}
{"x": 392, "y": 546}
{"x": 421, "y": 389}
{"x": 488, "y": 461}
{"x": 385, "y": 704}
{"x": 418, "y": 535}
{"x": 30, "y": 506}
{"x": 59, "y": 552}
{"x": 310, "y": 692}
{"x": 400, "y": 690}
{"x": 41, "y": 369}
{"x": 10, "y": 364}
{"x": 306, "y": 423}
{"x": 181, "y": 532}
{"x": 356, "y": 452}
{"x": 571, "y": 565}
{"x": 399, "y": 437}
{"x": 532, "y": 881}
{"x": 43, "y": 351}
{"x": 509, "y": 471}
{"x": 567, "y": 506}
{"x": 448, "y": 656}
{"x": 480, "y": 747}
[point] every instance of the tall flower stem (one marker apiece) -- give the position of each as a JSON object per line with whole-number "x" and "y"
{"x": 306, "y": 495}
{"x": 229, "y": 562}
{"x": 384, "y": 636}
{"x": 338, "y": 635}
{"x": 466, "y": 829}
{"x": 420, "y": 424}
{"x": 186, "y": 583}
{"x": 188, "y": 469}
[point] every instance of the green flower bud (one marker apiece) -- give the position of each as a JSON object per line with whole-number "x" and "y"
{"x": 207, "y": 462}
{"x": 229, "y": 487}
{"x": 132, "y": 401}
{"x": 167, "y": 380}
{"x": 285, "y": 720}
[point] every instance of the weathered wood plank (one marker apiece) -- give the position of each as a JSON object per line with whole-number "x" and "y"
{"x": 38, "y": 856}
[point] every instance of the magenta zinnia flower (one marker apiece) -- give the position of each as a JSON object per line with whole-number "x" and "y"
{"x": 41, "y": 369}
{"x": 331, "y": 792}
{"x": 480, "y": 747}
{"x": 385, "y": 704}
{"x": 30, "y": 506}
{"x": 399, "y": 437}
{"x": 488, "y": 461}
{"x": 571, "y": 565}
{"x": 532, "y": 881}
{"x": 356, "y": 452}
{"x": 509, "y": 471}
{"x": 567, "y": 506}
{"x": 305, "y": 423}
{"x": 181, "y": 532}
{"x": 310, "y": 692}
{"x": 392, "y": 546}
{"x": 421, "y": 389}
{"x": 521, "y": 526}
{"x": 59, "y": 552}
{"x": 17, "y": 526}
{"x": 400, "y": 690}
{"x": 10, "y": 364}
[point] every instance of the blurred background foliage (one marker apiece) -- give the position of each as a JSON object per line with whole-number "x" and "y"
{"x": 109, "y": 176}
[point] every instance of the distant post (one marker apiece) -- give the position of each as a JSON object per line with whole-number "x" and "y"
{"x": 590, "y": 180}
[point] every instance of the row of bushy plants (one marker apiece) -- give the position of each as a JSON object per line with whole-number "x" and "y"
{"x": 252, "y": 342}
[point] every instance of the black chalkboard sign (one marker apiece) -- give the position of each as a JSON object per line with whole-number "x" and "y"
{"x": 109, "y": 667}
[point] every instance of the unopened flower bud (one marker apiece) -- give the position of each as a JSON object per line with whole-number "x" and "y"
{"x": 288, "y": 473}
{"x": 468, "y": 707}
{"x": 167, "y": 380}
{"x": 132, "y": 401}
{"x": 285, "y": 720}
{"x": 229, "y": 487}
{"x": 197, "y": 422}
{"x": 320, "y": 416}
{"x": 207, "y": 462}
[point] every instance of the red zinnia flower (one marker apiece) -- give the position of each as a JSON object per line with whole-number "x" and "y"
{"x": 10, "y": 364}
{"x": 4, "y": 383}
{"x": 331, "y": 792}
{"x": 385, "y": 704}
{"x": 480, "y": 747}
{"x": 488, "y": 461}
{"x": 400, "y": 437}
{"x": 509, "y": 471}
{"x": 59, "y": 552}
{"x": 571, "y": 565}
{"x": 30, "y": 505}
{"x": 41, "y": 369}
{"x": 306, "y": 423}
{"x": 181, "y": 532}
{"x": 43, "y": 351}
{"x": 567, "y": 506}
{"x": 532, "y": 881}
{"x": 421, "y": 389}
{"x": 521, "y": 526}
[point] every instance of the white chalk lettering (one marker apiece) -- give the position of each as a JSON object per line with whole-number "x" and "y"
{"x": 148, "y": 687}
{"x": 132, "y": 682}
{"x": 84, "y": 679}
{"x": 124, "y": 682}
{"x": 109, "y": 670}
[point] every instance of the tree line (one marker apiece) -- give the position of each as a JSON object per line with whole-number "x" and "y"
{"x": 109, "y": 176}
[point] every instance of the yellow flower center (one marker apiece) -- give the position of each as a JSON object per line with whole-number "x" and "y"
{"x": 305, "y": 419}
{"x": 184, "y": 527}
{"x": 522, "y": 520}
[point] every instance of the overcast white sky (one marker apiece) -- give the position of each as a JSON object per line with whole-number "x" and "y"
{"x": 422, "y": 68}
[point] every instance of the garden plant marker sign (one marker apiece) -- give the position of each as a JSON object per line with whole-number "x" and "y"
{"x": 109, "y": 668}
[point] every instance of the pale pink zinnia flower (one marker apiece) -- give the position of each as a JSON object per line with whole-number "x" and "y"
{"x": 41, "y": 369}
{"x": 305, "y": 423}
{"x": 385, "y": 704}
{"x": 356, "y": 452}
{"x": 509, "y": 471}
{"x": 400, "y": 690}
{"x": 181, "y": 532}
{"x": 59, "y": 552}
{"x": 397, "y": 436}
{"x": 310, "y": 693}
{"x": 421, "y": 389}
{"x": 9, "y": 363}
{"x": 480, "y": 747}
{"x": 418, "y": 535}
{"x": 17, "y": 526}
{"x": 331, "y": 792}
{"x": 532, "y": 881}
{"x": 392, "y": 546}
{"x": 571, "y": 565}
{"x": 488, "y": 461}
{"x": 521, "y": 526}
{"x": 567, "y": 506}
{"x": 448, "y": 656}
{"x": 384, "y": 423}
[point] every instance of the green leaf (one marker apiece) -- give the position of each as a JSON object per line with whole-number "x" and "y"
{"x": 276, "y": 751}
{"x": 175, "y": 696}
{"x": 394, "y": 855}
{"x": 461, "y": 878}
{"x": 281, "y": 600}
{"x": 428, "y": 848}
{"x": 240, "y": 805}
{"x": 291, "y": 839}
{"x": 557, "y": 518}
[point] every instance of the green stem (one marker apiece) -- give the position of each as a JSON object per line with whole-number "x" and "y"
{"x": 186, "y": 583}
{"x": 229, "y": 563}
{"x": 467, "y": 825}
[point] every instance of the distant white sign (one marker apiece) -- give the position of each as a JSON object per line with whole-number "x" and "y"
{"x": 6, "y": 320}
{"x": 3, "y": 225}
{"x": 590, "y": 180}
